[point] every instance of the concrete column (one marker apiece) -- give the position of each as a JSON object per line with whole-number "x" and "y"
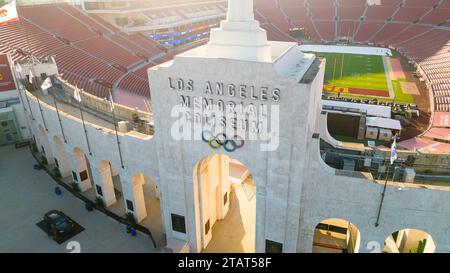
{"x": 140, "y": 212}
{"x": 61, "y": 155}
{"x": 80, "y": 165}
{"x": 194, "y": 220}
{"x": 305, "y": 243}
{"x": 260, "y": 229}
{"x": 409, "y": 176}
{"x": 64, "y": 166}
{"x": 224, "y": 186}
{"x": 48, "y": 151}
{"x": 107, "y": 185}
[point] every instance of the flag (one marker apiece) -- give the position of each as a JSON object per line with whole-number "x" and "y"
{"x": 8, "y": 13}
{"x": 77, "y": 94}
{"x": 111, "y": 102}
{"x": 46, "y": 84}
{"x": 394, "y": 150}
{"x": 31, "y": 76}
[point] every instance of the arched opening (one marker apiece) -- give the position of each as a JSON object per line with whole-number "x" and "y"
{"x": 409, "y": 241}
{"x": 61, "y": 160}
{"x": 147, "y": 206}
{"x": 110, "y": 188}
{"x": 336, "y": 236}
{"x": 45, "y": 148}
{"x": 226, "y": 194}
{"x": 82, "y": 174}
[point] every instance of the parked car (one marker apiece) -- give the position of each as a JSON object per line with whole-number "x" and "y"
{"x": 58, "y": 223}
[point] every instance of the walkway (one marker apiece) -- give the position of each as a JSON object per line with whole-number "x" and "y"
{"x": 236, "y": 232}
{"x": 26, "y": 195}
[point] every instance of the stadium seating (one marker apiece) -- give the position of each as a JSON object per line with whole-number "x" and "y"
{"x": 411, "y": 26}
{"x": 133, "y": 82}
{"x": 109, "y": 51}
{"x": 416, "y": 28}
{"x": 89, "y": 53}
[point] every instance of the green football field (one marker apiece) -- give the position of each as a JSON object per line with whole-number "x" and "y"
{"x": 360, "y": 76}
{"x": 353, "y": 70}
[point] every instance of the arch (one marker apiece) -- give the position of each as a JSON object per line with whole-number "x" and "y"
{"x": 147, "y": 206}
{"x": 336, "y": 236}
{"x": 61, "y": 160}
{"x": 409, "y": 241}
{"x": 106, "y": 189}
{"x": 82, "y": 175}
{"x": 45, "y": 147}
{"x": 226, "y": 195}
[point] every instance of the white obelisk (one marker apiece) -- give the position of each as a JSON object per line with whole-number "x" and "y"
{"x": 240, "y": 11}
{"x": 239, "y": 36}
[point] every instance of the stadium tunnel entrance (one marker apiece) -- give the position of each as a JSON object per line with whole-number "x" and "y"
{"x": 111, "y": 189}
{"x": 44, "y": 147}
{"x": 336, "y": 236}
{"x": 82, "y": 175}
{"x": 147, "y": 208}
{"x": 409, "y": 241}
{"x": 61, "y": 158}
{"x": 226, "y": 195}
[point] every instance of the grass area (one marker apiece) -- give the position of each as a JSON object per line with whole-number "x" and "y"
{"x": 354, "y": 70}
{"x": 360, "y": 71}
{"x": 399, "y": 95}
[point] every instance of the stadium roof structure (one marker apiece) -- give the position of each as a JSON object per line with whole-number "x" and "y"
{"x": 370, "y": 110}
{"x": 385, "y": 123}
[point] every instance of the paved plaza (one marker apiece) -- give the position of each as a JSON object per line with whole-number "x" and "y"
{"x": 26, "y": 195}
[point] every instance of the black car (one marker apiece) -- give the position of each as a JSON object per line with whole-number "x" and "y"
{"x": 58, "y": 224}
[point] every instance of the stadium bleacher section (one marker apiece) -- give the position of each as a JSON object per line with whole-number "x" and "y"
{"x": 418, "y": 29}
{"x": 89, "y": 53}
{"x": 95, "y": 54}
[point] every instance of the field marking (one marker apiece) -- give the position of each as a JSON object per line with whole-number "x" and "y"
{"x": 356, "y": 91}
{"x": 388, "y": 77}
{"x": 397, "y": 69}
{"x": 391, "y": 71}
{"x": 410, "y": 88}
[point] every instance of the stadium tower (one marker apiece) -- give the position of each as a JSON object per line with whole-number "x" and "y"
{"x": 247, "y": 70}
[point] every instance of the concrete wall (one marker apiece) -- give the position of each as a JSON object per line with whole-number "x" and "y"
{"x": 295, "y": 189}
{"x": 327, "y": 195}
{"x": 137, "y": 152}
{"x": 19, "y": 113}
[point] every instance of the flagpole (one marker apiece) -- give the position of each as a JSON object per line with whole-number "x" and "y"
{"x": 115, "y": 128}
{"x": 59, "y": 119}
{"x": 392, "y": 159}
{"x": 39, "y": 103}
{"x": 84, "y": 125}
{"x": 16, "y": 80}
{"x": 29, "y": 106}
{"x": 382, "y": 195}
{"x": 42, "y": 114}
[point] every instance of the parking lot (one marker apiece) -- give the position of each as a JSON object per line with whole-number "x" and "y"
{"x": 26, "y": 195}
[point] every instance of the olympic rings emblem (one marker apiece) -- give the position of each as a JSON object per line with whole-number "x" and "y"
{"x": 221, "y": 140}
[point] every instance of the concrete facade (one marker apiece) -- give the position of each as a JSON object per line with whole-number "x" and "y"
{"x": 295, "y": 189}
